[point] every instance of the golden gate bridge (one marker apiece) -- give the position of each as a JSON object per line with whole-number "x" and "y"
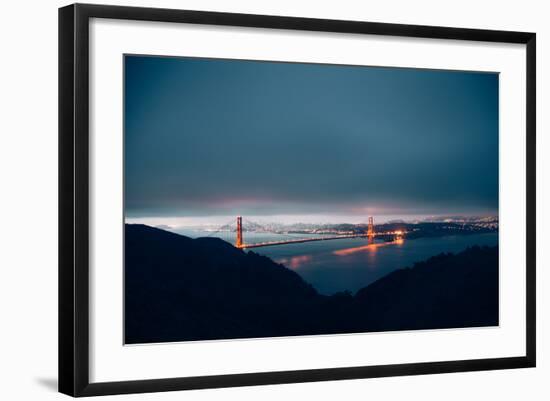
{"x": 240, "y": 243}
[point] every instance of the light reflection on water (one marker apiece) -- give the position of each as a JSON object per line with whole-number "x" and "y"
{"x": 352, "y": 263}
{"x": 366, "y": 248}
{"x": 295, "y": 262}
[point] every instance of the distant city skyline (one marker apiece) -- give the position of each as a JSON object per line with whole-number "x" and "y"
{"x": 206, "y": 140}
{"x": 217, "y": 221}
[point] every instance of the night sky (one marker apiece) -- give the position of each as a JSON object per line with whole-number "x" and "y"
{"x": 206, "y": 139}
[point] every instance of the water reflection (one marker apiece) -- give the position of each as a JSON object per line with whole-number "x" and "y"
{"x": 352, "y": 264}
{"x": 369, "y": 247}
{"x": 295, "y": 262}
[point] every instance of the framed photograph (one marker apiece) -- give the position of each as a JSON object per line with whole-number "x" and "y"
{"x": 250, "y": 199}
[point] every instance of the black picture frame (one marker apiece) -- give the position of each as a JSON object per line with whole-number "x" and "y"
{"x": 74, "y": 198}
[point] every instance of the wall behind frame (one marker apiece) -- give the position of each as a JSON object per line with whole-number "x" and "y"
{"x": 28, "y": 205}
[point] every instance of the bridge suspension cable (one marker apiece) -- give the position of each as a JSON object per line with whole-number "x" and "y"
{"x": 240, "y": 226}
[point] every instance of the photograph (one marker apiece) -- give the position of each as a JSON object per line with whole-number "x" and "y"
{"x": 275, "y": 199}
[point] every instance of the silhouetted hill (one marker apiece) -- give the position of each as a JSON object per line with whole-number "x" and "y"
{"x": 452, "y": 290}
{"x": 182, "y": 288}
{"x": 178, "y": 288}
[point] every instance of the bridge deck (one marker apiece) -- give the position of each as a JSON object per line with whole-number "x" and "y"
{"x": 301, "y": 240}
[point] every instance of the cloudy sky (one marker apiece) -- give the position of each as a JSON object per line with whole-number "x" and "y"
{"x": 207, "y": 139}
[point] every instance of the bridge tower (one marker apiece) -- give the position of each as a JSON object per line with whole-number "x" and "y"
{"x": 370, "y": 230}
{"x": 239, "y": 242}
